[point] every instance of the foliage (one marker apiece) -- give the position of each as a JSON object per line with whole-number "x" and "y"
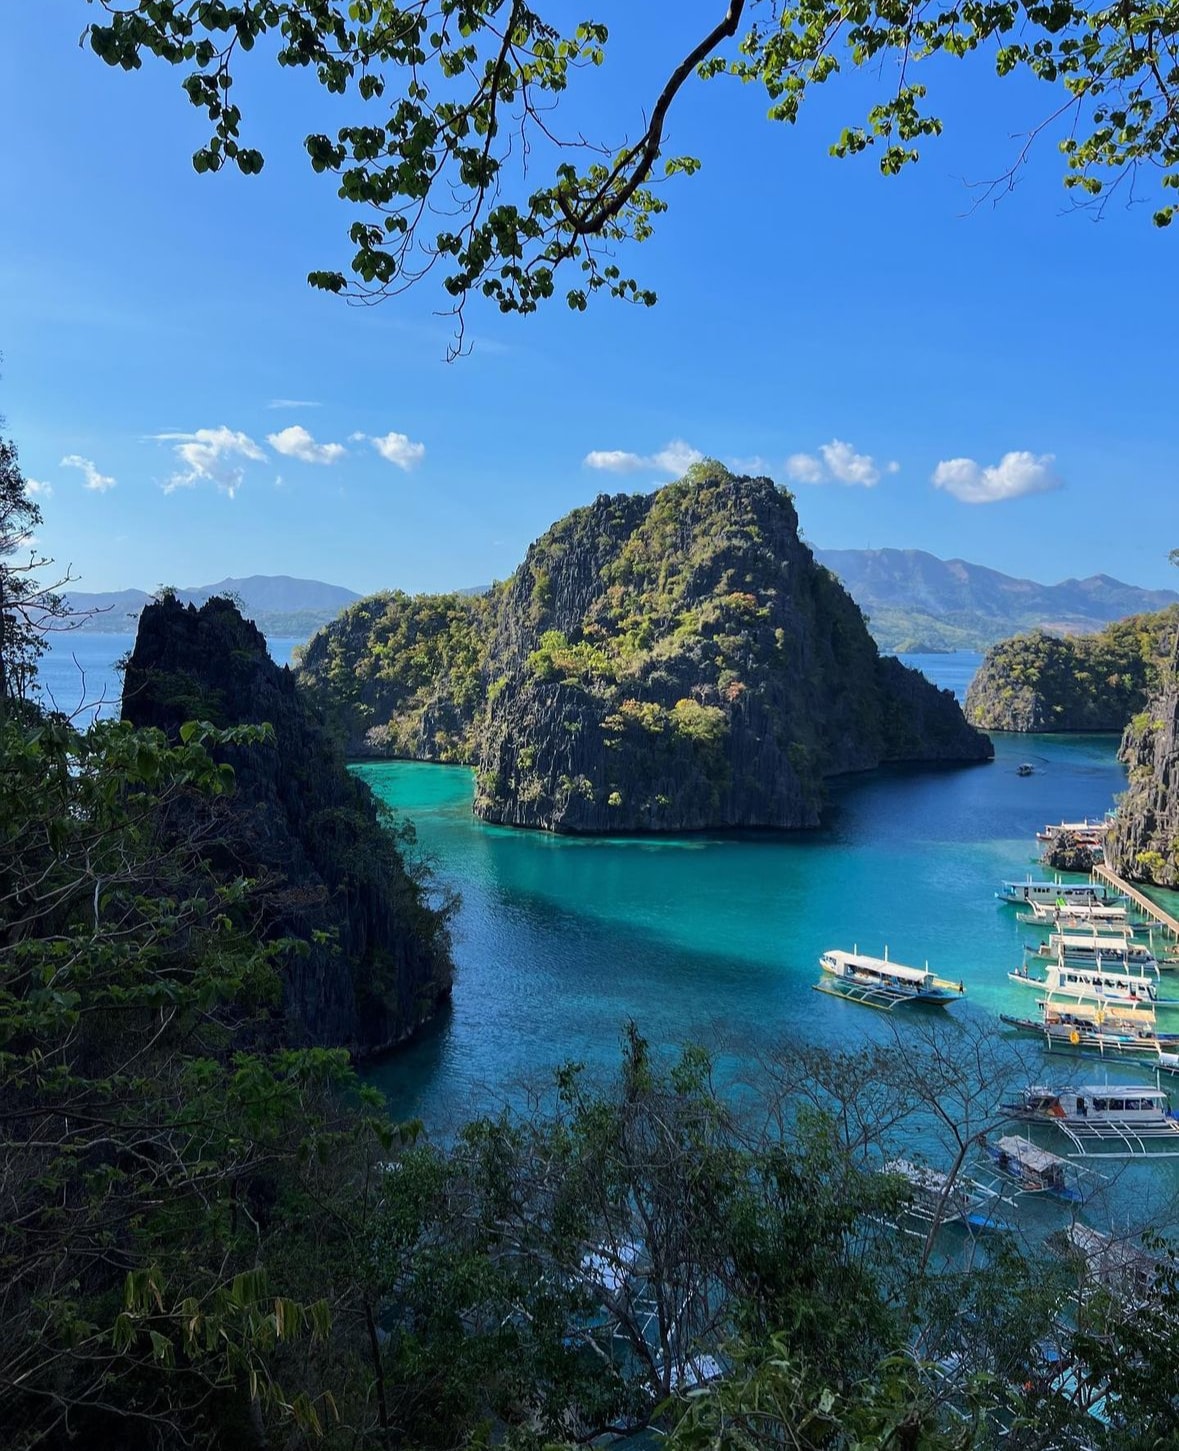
{"x": 1043, "y": 682}
{"x": 403, "y": 675}
{"x": 450, "y": 148}
{"x": 160, "y": 1151}
{"x": 28, "y": 608}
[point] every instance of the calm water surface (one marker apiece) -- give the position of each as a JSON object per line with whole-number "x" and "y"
{"x": 559, "y": 940}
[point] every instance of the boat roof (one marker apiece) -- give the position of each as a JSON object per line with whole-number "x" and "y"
{"x": 917, "y": 1174}
{"x": 1095, "y": 940}
{"x": 881, "y": 965}
{"x": 1103, "y": 1090}
{"x": 1028, "y": 1153}
{"x": 1069, "y": 1009}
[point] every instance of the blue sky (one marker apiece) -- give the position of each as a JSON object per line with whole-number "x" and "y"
{"x": 855, "y": 337}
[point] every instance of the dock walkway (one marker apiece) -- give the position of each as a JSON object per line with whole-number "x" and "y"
{"x": 1140, "y": 900}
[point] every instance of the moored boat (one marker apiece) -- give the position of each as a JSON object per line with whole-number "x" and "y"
{"x": 1097, "y": 949}
{"x": 881, "y": 983}
{"x": 936, "y": 1199}
{"x": 1093, "y": 1115}
{"x": 1114, "y": 1031}
{"x": 1091, "y": 893}
{"x": 1035, "y": 1170}
{"x": 1092, "y": 983}
{"x": 1064, "y": 916}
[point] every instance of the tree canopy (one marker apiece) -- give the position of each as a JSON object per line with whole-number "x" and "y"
{"x": 454, "y": 152}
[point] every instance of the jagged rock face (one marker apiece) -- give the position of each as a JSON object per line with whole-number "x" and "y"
{"x": 377, "y": 962}
{"x": 1043, "y": 682}
{"x": 1144, "y": 841}
{"x": 678, "y": 661}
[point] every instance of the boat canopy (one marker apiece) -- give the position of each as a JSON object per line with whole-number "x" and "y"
{"x": 882, "y": 966}
{"x": 1037, "y": 1159}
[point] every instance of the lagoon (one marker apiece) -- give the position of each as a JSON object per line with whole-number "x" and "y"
{"x": 560, "y": 940}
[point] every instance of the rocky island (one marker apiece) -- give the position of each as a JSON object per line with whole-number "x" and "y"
{"x": 671, "y": 661}
{"x": 1045, "y": 682}
{"x": 374, "y": 962}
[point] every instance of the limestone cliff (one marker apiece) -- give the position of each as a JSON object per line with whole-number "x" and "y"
{"x": 375, "y": 962}
{"x": 1144, "y": 842}
{"x": 1043, "y": 682}
{"x": 677, "y": 660}
{"x": 663, "y": 662}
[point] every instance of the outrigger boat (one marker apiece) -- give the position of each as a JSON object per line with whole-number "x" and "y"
{"x": 883, "y": 984}
{"x": 1121, "y": 1031}
{"x": 1097, "y": 984}
{"x": 935, "y": 1199}
{"x": 1087, "y": 833}
{"x": 1098, "y": 950}
{"x": 1065, "y": 916}
{"x": 1097, "y": 894}
{"x": 1121, "y": 1267}
{"x": 1035, "y": 1170}
{"x": 1106, "y": 1120}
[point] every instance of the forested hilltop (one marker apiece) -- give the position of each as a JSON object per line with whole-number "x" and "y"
{"x": 1043, "y": 682}
{"x": 659, "y": 662}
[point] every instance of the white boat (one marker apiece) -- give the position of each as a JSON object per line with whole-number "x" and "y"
{"x": 1087, "y": 833}
{"x": 1089, "y": 893}
{"x": 1105, "y": 1119}
{"x": 1097, "y": 949}
{"x": 934, "y": 1199}
{"x": 880, "y": 983}
{"x": 1098, "y": 984}
{"x": 1063, "y": 915}
{"x": 1035, "y": 1170}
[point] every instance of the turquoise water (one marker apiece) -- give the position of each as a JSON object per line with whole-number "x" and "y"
{"x": 716, "y": 939}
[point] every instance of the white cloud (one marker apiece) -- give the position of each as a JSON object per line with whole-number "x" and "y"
{"x": 805, "y": 468}
{"x": 38, "y": 489}
{"x": 1015, "y": 475}
{"x": 210, "y": 454}
{"x": 93, "y": 479}
{"x": 293, "y": 403}
{"x": 673, "y": 458}
{"x": 838, "y": 462}
{"x": 614, "y": 460}
{"x": 395, "y": 448}
{"x": 296, "y": 442}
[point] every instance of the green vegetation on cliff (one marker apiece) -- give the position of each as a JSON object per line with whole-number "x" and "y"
{"x": 1042, "y": 682}
{"x": 661, "y": 662}
{"x": 1144, "y": 843}
{"x": 403, "y": 675}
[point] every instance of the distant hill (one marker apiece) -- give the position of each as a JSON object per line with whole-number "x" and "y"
{"x": 916, "y": 601}
{"x": 278, "y": 604}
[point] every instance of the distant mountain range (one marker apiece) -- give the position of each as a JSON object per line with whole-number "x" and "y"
{"x": 916, "y": 601}
{"x": 278, "y": 605}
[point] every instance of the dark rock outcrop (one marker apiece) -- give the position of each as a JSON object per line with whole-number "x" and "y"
{"x": 1144, "y": 841}
{"x": 375, "y": 963}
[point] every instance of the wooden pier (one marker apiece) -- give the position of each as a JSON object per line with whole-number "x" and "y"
{"x": 1140, "y": 900}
